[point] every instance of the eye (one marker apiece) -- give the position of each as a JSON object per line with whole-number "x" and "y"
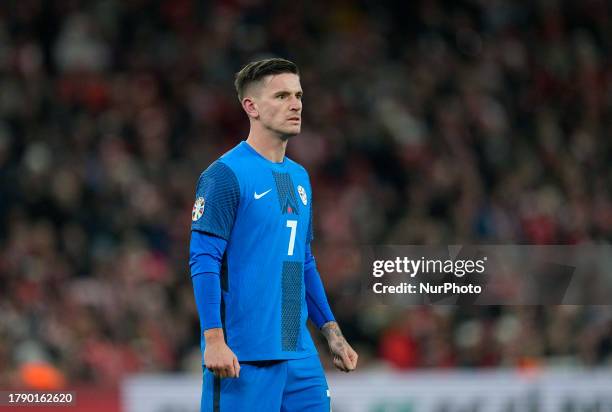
{"x": 281, "y": 96}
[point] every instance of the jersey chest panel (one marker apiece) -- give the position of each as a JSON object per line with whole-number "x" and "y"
{"x": 277, "y": 206}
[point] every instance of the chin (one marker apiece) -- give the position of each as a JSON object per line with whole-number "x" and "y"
{"x": 288, "y": 133}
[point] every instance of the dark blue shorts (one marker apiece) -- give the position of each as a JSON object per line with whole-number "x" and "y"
{"x": 289, "y": 385}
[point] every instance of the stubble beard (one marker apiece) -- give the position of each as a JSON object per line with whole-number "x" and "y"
{"x": 285, "y": 135}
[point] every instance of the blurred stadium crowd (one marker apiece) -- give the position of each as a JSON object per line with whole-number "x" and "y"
{"x": 430, "y": 122}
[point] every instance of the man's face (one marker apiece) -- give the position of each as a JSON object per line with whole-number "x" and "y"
{"x": 278, "y": 99}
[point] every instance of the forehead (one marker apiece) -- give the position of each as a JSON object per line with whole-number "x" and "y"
{"x": 281, "y": 82}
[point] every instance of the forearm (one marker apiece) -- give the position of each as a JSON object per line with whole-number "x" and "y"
{"x": 205, "y": 263}
{"x": 207, "y": 293}
{"x": 333, "y": 334}
{"x": 331, "y": 330}
{"x": 319, "y": 310}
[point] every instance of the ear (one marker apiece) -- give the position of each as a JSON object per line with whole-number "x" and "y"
{"x": 250, "y": 107}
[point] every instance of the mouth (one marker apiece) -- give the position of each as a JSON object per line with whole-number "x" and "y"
{"x": 294, "y": 119}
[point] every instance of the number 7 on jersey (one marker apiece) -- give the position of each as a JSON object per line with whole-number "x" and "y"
{"x": 293, "y": 225}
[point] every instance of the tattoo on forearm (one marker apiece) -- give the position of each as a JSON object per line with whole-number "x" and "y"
{"x": 332, "y": 330}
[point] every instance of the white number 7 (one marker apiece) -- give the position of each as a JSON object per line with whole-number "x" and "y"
{"x": 293, "y": 225}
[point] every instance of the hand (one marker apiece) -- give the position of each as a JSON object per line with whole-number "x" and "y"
{"x": 345, "y": 358}
{"x": 218, "y": 357}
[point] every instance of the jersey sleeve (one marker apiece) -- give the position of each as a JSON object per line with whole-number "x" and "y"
{"x": 217, "y": 199}
{"x": 319, "y": 311}
{"x": 205, "y": 254}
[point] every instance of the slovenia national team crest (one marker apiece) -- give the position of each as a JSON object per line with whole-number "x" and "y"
{"x": 198, "y": 209}
{"x": 302, "y": 194}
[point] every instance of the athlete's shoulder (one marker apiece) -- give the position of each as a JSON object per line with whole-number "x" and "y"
{"x": 240, "y": 160}
{"x": 235, "y": 154}
{"x": 219, "y": 178}
{"x": 225, "y": 170}
{"x": 229, "y": 164}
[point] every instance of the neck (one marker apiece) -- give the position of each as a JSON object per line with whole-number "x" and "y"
{"x": 270, "y": 146}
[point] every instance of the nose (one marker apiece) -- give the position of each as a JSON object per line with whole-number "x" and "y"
{"x": 296, "y": 104}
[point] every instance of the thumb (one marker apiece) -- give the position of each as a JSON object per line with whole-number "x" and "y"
{"x": 237, "y": 367}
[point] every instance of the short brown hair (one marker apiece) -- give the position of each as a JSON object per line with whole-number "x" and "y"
{"x": 257, "y": 70}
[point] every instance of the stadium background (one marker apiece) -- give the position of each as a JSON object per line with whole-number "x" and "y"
{"x": 428, "y": 122}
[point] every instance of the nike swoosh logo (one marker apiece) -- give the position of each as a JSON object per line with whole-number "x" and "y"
{"x": 259, "y": 196}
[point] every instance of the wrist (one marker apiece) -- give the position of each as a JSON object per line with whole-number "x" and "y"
{"x": 331, "y": 330}
{"x": 332, "y": 324}
{"x": 214, "y": 335}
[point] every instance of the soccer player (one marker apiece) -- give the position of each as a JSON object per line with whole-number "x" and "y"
{"x": 254, "y": 277}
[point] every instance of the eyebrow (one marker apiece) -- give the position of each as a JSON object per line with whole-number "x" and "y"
{"x": 281, "y": 92}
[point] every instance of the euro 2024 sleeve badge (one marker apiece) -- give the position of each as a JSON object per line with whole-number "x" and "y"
{"x": 198, "y": 209}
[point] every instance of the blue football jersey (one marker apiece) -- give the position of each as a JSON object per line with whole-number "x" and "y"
{"x": 263, "y": 210}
